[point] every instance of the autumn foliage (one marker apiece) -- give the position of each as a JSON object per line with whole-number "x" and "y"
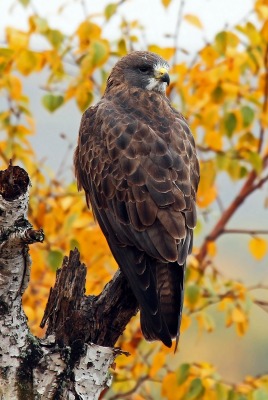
{"x": 223, "y": 91}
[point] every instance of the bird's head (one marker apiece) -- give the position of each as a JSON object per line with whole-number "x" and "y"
{"x": 141, "y": 69}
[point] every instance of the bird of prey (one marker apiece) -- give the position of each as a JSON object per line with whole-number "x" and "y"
{"x": 136, "y": 161}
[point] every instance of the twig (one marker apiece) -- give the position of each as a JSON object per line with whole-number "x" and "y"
{"x": 260, "y": 183}
{"x": 258, "y": 286}
{"x": 262, "y": 304}
{"x": 177, "y": 31}
{"x": 245, "y": 191}
{"x": 246, "y": 231}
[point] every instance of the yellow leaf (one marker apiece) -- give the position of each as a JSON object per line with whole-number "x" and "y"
{"x": 223, "y": 304}
{"x": 17, "y": 39}
{"x": 185, "y": 322}
{"x": 238, "y": 315}
{"x": 194, "y": 20}
{"x": 212, "y": 249}
{"x": 213, "y": 139}
{"x": 158, "y": 362}
{"x": 229, "y": 319}
{"x": 209, "y": 55}
{"x": 139, "y": 369}
{"x": 15, "y": 87}
{"x": 166, "y": 3}
{"x": 26, "y": 62}
{"x": 165, "y": 52}
{"x": 231, "y": 88}
{"x": 86, "y": 32}
{"x": 258, "y": 247}
{"x": 241, "y": 327}
{"x": 170, "y": 388}
{"x": 264, "y": 119}
{"x": 83, "y": 94}
{"x": 262, "y": 9}
{"x": 205, "y": 322}
{"x": 264, "y": 31}
{"x": 204, "y": 199}
{"x": 138, "y": 397}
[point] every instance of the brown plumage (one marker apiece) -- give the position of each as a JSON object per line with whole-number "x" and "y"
{"x": 136, "y": 161}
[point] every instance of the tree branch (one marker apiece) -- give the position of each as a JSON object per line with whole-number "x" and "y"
{"x": 177, "y": 31}
{"x": 246, "y": 231}
{"x": 98, "y": 319}
{"x": 245, "y": 191}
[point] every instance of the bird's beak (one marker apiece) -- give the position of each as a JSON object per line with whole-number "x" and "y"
{"x": 162, "y": 75}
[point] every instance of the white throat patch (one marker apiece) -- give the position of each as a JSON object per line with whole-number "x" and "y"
{"x": 155, "y": 84}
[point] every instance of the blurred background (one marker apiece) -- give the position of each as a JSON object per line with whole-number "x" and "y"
{"x": 55, "y": 58}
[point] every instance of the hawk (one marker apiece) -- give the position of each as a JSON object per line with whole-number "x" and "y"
{"x": 136, "y": 161}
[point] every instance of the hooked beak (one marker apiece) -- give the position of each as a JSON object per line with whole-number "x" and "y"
{"x": 162, "y": 75}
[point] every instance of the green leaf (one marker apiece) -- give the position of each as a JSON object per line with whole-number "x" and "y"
{"x": 247, "y": 115}
{"x": 251, "y": 32}
{"x": 182, "y": 373}
{"x": 221, "y": 391}
{"x": 235, "y": 170}
{"x": 122, "y": 47}
{"x": 224, "y": 39}
{"x": 74, "y": 244}
{"x": 39, "y": 23}
{"x": 99, "y": 52}
{"x": 69, "y": 221}
{"x": 256, "y": 161}
{"x": 110, "y": 10}
{"x": 6, "y": 53}
{"x": 51, "y": 102}
{"x": 55, "y": 37}
{"x": 230, "y": 123}
{"x": 232, "y": 395}
{"x": 196, "y": 390}
{"x": 260, "y": 394}
{"x": 55, "y": 259}
{"x": 217, "y": 94}
{"x": 192, "y": 293}
{"x": 222, "y": 161}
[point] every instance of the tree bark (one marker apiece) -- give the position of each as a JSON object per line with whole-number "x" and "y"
{"x": 73, "y": 360}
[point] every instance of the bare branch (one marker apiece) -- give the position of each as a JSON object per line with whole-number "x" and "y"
{"x": 246, "y": 231}
{"x": 262, "y": 304}
{"x": 98, "y": 319}
{"x": 177, "y": 31}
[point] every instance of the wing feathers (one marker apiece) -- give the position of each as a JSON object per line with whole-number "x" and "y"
{"x": 147, "y": 211}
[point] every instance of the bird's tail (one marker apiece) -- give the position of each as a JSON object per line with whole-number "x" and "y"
{"x": 158, "y": 288}
{"x": 169, "y": 286}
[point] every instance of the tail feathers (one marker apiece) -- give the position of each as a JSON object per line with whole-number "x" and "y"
{"x": 150, "y": 332}
{"x": 158, "y": 288}
{"x": 169, "y": 284}
{"x": 139, "y": 270}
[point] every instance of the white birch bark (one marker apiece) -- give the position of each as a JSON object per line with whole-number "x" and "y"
{"x": 14, "y": 275}
{"x": 31, "y": 368}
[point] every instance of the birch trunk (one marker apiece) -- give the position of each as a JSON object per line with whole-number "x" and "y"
{"x": 74, "y": 358}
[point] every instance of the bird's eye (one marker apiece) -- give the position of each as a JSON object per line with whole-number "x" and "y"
{"x": 144, "y": 69}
